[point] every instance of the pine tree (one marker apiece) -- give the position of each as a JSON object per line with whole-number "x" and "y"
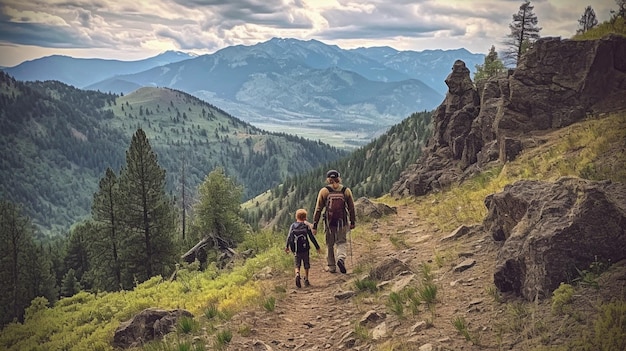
{"x": 621, "y": 10}
{"x": 25, "y": 269}
{"x": 77, "y": 257}
{"x": 490, "y": 68}
{"x": 524, "y": 32}
{"x": 218, "y": 212}
{"x": 147, "y": 214}
{"x": 105, "y": 235}
{"x": 15, "y": 238}
{"x": 70, "y": 285}
{"x": 587, "y": 21}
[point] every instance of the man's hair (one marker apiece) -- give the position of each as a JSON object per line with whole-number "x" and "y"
{"x": 301, "y": 214}
{"x": 333, "y": 180}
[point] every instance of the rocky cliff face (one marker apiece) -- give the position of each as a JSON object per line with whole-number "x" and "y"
{"x": 558, "y": 82}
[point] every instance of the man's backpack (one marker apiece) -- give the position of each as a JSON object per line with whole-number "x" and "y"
{"x": 335, "y": 206}
{"x": 300, "y": 238}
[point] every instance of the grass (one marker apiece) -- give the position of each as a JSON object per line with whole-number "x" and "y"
{"x": 187, "y": 325}
{"x": 428, "y": 293}
{"x": 361, "y": 332}
{"x": 398, "y": 241}
{"x": 223, "y": 338}
{"x": 366, "y": 285}
{"x": 395, "y": 304}
{"x": 460, "y": 325}
{"x": 269, "y": 304}
{"x": 618, "y": 26}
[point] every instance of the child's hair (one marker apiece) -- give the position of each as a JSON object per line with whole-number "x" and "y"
{"x": 301, "y": 214}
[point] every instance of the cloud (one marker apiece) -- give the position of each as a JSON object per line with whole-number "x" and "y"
{"x": 208, "y": 25}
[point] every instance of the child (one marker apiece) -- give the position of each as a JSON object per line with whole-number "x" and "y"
{"x": 298, "y": 243}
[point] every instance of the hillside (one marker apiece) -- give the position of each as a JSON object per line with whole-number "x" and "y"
{"x": 370, "y": 171}
{"x": 434, "y": 306}
{"x": 57, "y": 142}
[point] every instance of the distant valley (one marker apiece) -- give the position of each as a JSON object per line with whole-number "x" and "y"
{"x": 344, "y": 98}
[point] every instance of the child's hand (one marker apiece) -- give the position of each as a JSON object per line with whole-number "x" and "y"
{"x": 286, "y": 250}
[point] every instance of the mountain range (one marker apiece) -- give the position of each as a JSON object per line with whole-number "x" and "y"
{"x": 306, "y": 88}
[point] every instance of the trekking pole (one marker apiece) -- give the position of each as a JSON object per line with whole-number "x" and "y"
{"x": 350, "y": 246}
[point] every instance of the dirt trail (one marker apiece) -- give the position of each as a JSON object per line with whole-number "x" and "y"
{"x": 313, "y": 318}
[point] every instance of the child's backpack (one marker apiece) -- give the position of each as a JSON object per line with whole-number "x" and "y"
{"x": 300, "y": 238}
{"x": 335, "y": 206}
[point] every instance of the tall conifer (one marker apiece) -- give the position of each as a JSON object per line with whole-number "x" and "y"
{"x": 524, "y": 32}
{"x": 147, "y": 214}
{"x": 105, "y": 236}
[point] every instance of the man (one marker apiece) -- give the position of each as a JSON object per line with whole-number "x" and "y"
{"x": 336, "y": 224}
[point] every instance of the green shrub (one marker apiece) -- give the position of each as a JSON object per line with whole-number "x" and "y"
{"x": 609, "y": 330}
{"x": 610, "y": 327}
{"x": 561, "y": 297}
{"x": 38, "y": 304}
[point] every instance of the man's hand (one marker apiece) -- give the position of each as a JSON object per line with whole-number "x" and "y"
{"x": 352, "y": 226}
{"x": 286, "y": 250}
{"x": 319, "y": 251}
{"x": 314, "y": 231}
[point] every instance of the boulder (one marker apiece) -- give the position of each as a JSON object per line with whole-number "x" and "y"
{"x": 147, "y": 325}
{"x": 365, "y": 208}
{"x": 388, "y": 269}
{"x": 553, "y": 230}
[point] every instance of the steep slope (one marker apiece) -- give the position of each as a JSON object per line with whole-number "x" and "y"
{"x": 57, "y": 141}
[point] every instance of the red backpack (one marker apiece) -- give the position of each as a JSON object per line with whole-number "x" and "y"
{"x": 335, "y": 206}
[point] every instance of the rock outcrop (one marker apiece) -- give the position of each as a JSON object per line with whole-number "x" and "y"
{"x": 557, "y": 82}
{"x": 551, "y": 231}
{"x": 147, "y": 325}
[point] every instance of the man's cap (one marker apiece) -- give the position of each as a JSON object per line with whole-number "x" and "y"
{"x": 332, "y": 174}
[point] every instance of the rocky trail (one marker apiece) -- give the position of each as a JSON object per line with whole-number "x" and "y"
{"x": 332, "y": 314}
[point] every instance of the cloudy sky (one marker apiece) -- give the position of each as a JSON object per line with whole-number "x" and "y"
{"x": 136, "y": 29}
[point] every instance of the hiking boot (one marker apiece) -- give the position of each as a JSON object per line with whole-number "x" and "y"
{"x": 342, "y": 266}
{"x": 331, "y": 270}
{"x": 298, "y": 281}
{"x": 306, "y": 282}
